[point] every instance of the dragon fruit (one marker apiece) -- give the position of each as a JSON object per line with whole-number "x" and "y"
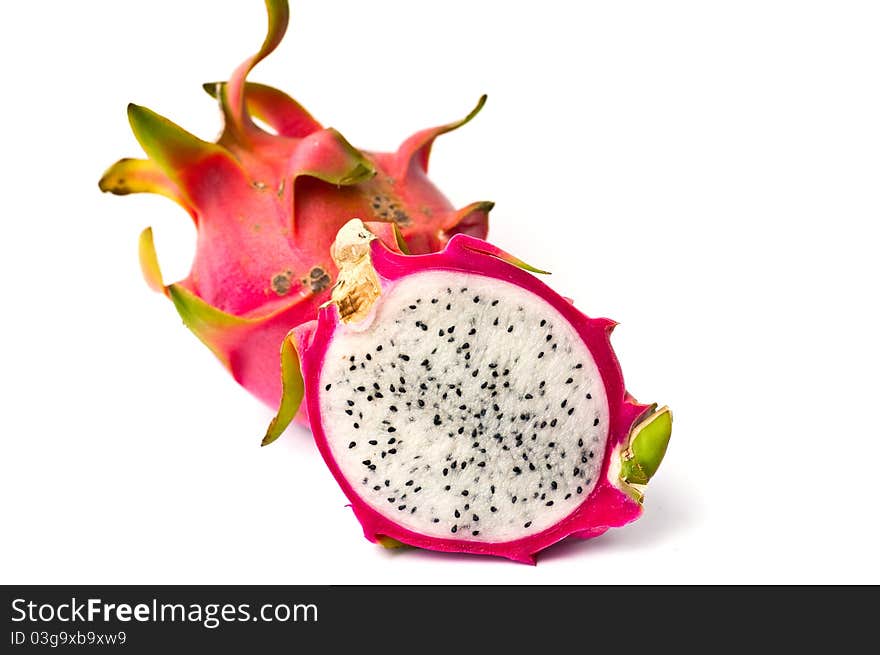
{"x": 267, "y": 205}
{"x": 462, "y": 405}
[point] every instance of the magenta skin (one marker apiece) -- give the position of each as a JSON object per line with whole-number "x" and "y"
{"x": 607, "y": 506}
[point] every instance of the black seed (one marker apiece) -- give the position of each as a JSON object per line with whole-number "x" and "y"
{"x": 543, "y": 322}
{"x": 457, "y": 514}
{"x": 366, "y": 462}
{"x": 531, "y": 466}
{"x": 510, "y": 328}
{"x": 392, "y": 451}
{"x": 513, "y": 500}
{"x": 404, "y": 357}
{"x": 540, "y": 354}
{"x": 492, "y": 488}
{"x": 553, "y": 423}
{"x": 564, "y": 403}
{"x": 392, "y": 429}
{"x": 454, "y": 529}
{"x": 579, "y": 489}
{"x": 437, "y": 419}
{"x": 391, "y": 441}
{"x": 527, "y": 524}
{"x": 495, "y": 322}
{"x": 475, "y": 532}
{"x": 327, "y": 388}
{"x": 579, "y": 366}
{"x": 553, "y": 485}
{"x": 465, "y": 492}
{"x": 379, "y": 348}
{"x": 448, "y": 306}
{"x": 423, "y": 386}
{"x": 356, "y": 426}
{"x": 401, "y": 507}
{"x": 596, "y": 422}
{"x": 369, "y": 399}
{"x": 436, "y": 520}
{"x": 417, "y": 490}
{"x": 349, "y": 412}
{"x": 476, "y": 299}
{"x": 493, "y": 509}
{"x": 569, "y": 381}
{"x": 446, "y": 471}
{"x": 548, "y": 503}
{"x": 393, "y": 408}
{"x": 472, "y": 331}
{"x": 373, "y": 442}
{"x": 352, "y": 444}
{"x": 369, "y": 357}
{"x": 447, "y": 488}
{"x": 361, "y": 388}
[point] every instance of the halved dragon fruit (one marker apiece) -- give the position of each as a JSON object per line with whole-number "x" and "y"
{"x": 463, "y": 405}
{"x": 267, "y": 205}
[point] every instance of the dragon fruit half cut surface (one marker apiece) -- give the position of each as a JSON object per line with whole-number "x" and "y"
{"x": 267, "y": 204}
{"x": 463, "y": 405}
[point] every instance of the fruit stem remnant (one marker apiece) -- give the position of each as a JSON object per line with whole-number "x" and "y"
{"x": 357, "y": 286}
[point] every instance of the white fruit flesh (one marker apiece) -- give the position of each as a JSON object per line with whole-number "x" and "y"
{"x": 469, "y": 408}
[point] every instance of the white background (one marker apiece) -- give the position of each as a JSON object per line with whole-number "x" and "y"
{"x": 706, "y": 173}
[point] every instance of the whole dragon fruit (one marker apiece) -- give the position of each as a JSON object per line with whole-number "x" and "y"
{"x": 267, "y": 207}
{"x": 463, "y": 405}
